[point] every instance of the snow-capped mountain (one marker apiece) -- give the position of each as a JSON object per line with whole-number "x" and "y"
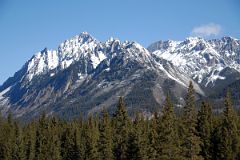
{"x": 205, "y": 61}
{"x": 84, "y": 75}
{"x": 80, "y": 47}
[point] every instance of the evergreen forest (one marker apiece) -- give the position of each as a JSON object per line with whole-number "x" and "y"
{"x": 196, "y": 134}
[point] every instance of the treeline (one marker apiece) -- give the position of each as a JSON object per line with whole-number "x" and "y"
{"x": 193, "y": 135}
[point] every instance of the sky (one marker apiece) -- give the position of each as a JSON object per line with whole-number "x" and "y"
{"x": 28, "y": 26}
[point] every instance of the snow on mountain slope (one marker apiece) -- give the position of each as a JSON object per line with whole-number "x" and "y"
{"x": 88, "y": 73}
{"x": 4, "y": 100}
{"x": 70, "y": 51}
{"x": 83, "y": 47}
{"x": 195, "y": 58}
{"x": 200, "y": 59}
{"x": 42, "y": 62}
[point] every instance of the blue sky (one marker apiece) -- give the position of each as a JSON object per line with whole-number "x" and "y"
{"x": 28, "y": 26}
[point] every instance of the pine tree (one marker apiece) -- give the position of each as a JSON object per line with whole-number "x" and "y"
{"x": 69, "y": 146}
{"x": 133, "y": 148}
{"x": 215, "y": 138}
{"x": 9, "y": 132}
{"x": 76, "y": 147}
{"x": 82, "y": 140}
{"x": 6, "y": 138}
{"x": 238, "y": 129}
{"x": 142, "y": 134}
{"x": 54, "y": 140}
{"x": 41, "y": 148}
{"x": 1, "y": 137}
{"x": 152, "y": 152}
{"x": 80, "y": 136}
{"x": 18, "y": 150}
{"x": 29, "y": 134}
{"x": 105, "y": 143}
{"x": 190, "y": 142}
{"x": 137, "y": 140}
{"x": 204, "y": 127}
{"x": 91, "y": 152}
{"x": 228, "y": 136}
{"x": 121, "y": 130}
{"x": 168, "y": 135}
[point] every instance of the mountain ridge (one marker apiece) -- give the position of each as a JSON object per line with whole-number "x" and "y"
{"x": 88, "y": 74}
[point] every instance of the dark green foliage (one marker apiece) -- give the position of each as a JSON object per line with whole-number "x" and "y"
{"x": 162, "y": 136}
{"x": 41, "y": 144}
{"x": 69, "y": 146}
{"x": 137, "y": 140}
{"x": 228, "y": 136}
{"x": 29, "y": 141}
{"x": 6, "y": 138}
{"x": 105, "y": 142}
{"x": 54, "y": 140}
{"x": 91, "y": 133}
{"x": 121, "y": 130}
{"x": 152, "y": 140}
{"x": 168, "y": 135}
{"x": 204, "y": 127}
{"x": 190, "y": 140}
{"x": 17, "y": 152}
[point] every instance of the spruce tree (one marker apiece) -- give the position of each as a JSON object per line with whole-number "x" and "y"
{"x": 18, "y": 150}
{"x": 152, "y": 152}
{"x": 228, "y": 135}
{"x": 121, "y": 130}
{"x": 76, "y": 147}
{"x": 80, "y": 137}
{"x": 54, "y": 140}
{"x": 141, "y": 130}
{"x": 137, "y": 140}
{"x": 29, "y": 135}
{"x": 168, "y": 135}
{"x": 105, "y": 143}
{"x": 82, "y": 140}
{"x": 69, "y": 149}
{"x": 91, "y": 152}
{"x": 190, "y": 140}
{"x": 204, "y": 127}
{"x": 7, "y": 138}
{"x": 41, "y": 149}
{"x": 1, "y": 137}
{"x": 133, "y": 148}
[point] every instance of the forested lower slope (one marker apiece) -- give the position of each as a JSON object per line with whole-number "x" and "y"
{"x": 191, "y": 135}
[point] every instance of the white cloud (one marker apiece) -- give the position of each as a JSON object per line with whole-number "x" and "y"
{"x": 207, "y": 30}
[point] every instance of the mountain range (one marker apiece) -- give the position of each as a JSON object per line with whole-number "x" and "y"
{"x": 84, "y": 75}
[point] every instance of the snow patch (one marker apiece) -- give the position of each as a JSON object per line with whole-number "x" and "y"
{"x": 170, "y": 76}
{"x": 4, "y": 92}
{"x": 4, "y": 100}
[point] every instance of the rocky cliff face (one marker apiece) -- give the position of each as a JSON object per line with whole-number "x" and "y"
{"x": 84, "y": 75}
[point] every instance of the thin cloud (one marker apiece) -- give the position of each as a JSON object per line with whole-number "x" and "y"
{"x": 207, "y": 30}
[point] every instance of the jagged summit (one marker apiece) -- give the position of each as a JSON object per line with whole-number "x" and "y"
{"x": 199, "y": 59}
{"x": 84, "y": 74}
{"x": 81, "y": 47}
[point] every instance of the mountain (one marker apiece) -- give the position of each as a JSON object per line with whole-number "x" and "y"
{"x": 211, "y": 63}
{"x": 84, "y": 75}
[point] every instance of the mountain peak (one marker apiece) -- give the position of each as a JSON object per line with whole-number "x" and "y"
{"x": 112, "y": 40}
{"x": 84, "y": 33}
{"x": 194, "y": 40}
{"x": 44, "y": 50}
{"x": 86, "y": 36}
{"x": 82, "y": 38}
{"x": 84, "y": 71}
{"x": 229, "y": 39}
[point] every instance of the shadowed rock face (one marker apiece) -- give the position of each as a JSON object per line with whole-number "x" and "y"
{"x": 84, "y": 75}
